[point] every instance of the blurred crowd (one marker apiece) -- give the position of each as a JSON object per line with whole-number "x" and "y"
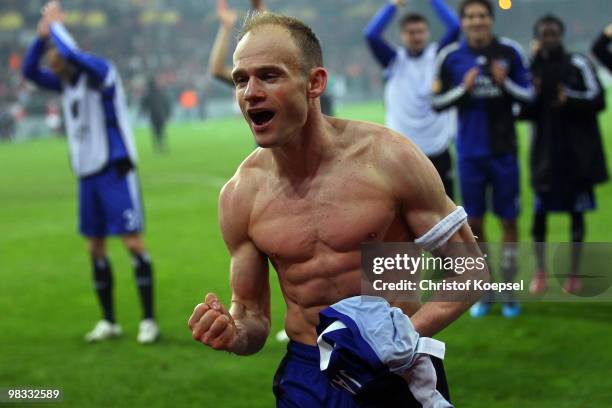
{"x": 171, "y": 40}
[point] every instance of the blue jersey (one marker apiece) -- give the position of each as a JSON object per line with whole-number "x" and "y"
{"x": 95, "y": 111}
{"x": 485, "y": 114}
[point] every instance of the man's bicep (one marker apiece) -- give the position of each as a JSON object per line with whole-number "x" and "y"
{"x": 425, "y": 202}
{"x": 249, "y": 266}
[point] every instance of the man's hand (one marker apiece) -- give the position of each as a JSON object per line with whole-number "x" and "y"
{"x": 211, "y": 324}
{"x": 469, "y": 80}
{"x": 43, "y": 29}
{"x": 398, "y": 3}
{"x": 537, "y": 85}
{"x": 561, "y": 96}
{"x": 226, "y": 15}
{"x": 499, "y": 72}
{"x": 534, "y": 47}
{"x": 52, "y": 12}
{"x": 608, "y": 30}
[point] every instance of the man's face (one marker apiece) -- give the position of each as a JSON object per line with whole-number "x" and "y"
{"x": 476, "y": 23}
{"x": 57, "y": 64}
{"x": 271, "y": 88}
{"x": 415, "y": 36}
{"x": 549, "y": 36}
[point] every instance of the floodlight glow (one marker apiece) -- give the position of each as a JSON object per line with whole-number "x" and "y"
{"x": 505, "y": 4}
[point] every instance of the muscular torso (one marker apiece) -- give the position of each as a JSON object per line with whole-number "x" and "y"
{"x": 312, "y": 231}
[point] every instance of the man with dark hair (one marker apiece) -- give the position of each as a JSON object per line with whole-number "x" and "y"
{"x": 305, "y": 201}
{"x": 483, "y": 77}
{"x": 567, "y": 157}
{"x": 409, "y": 74}
{"x": 486, "y": 4}
{"x": 103, "y": 155}
{"x": 601, "y": 47}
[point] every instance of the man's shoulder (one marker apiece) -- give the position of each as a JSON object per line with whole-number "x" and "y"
{"x": 512, "y": 48}
{"x": 400, "y": 166}
{"x": 382, "y": 147}
{"x": 365, "y": 135}
{"x": 579, "y": 60}
{"x": 245, "y": 182}
{"x": 449, "y": 51}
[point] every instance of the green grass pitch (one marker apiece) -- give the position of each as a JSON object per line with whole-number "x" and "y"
{"x": 554, "y": 355}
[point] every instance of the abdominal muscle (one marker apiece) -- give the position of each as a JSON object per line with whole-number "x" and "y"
{"x": 312, "y": 286}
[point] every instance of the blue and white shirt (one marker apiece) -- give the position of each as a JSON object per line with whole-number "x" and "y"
{"x": 93, "y": 102}
{"x": 409, "y": 79}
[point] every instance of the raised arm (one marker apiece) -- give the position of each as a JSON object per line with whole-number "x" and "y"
{"x": 450, "y": 20}
{"x": 31, "y": 64}
{"x": 243, "y": 328}
{"x": 439, "y": 227}
{"x": 216, "y": 61}
{"x": 373, "y": 34}
{"x": 97, "y": 68}
{"x": 601, "y": 47}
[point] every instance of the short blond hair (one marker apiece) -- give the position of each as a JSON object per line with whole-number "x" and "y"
{"x": 303, "y": 36}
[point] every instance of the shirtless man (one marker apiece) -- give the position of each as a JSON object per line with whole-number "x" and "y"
{"x": 306, "y": 200}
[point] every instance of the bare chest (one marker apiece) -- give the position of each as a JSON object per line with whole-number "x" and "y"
{"x": 334, "y": 213}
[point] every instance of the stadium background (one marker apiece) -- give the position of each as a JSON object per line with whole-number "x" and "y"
{"x": 554, "y": 355}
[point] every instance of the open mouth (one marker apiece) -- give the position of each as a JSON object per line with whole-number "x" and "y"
{"x": 261, "y": 117}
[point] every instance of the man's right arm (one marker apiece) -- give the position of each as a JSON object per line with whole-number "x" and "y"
{"x": 373, "y": 34}
{"x": 447, "y": 93}
{"x": 216, "y": 62}
{"x": 243, "y": 328}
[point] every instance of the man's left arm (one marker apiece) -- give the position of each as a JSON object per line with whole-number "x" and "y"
{"x": 590, "y": 98}
{"x": 517, "y": 82}
{"x": 97, "y": 68}
{"x": 439, "y": 227}
{"x": 450, "y": 20}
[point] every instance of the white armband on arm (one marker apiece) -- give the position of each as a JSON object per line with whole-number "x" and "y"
{"x": 442, "y": 231}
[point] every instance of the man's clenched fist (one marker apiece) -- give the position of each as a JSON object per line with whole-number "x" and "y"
{"x": 211, "y": 324}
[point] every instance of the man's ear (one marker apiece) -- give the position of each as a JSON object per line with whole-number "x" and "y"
{"x": 317, "y": 82}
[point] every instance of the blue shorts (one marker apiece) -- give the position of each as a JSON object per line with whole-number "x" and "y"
{"x": 110, "y": 203}
{"x": 501, "y": 173}
{"x": 299, "y": 383}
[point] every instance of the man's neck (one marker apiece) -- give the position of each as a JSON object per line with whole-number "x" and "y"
{"x": 480, "y": 43}
{"x": 302, "y": 156}
{"x": 415, "y": 53}
{"x": 70, "y": 75}
{"x": 553, "y": 54}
